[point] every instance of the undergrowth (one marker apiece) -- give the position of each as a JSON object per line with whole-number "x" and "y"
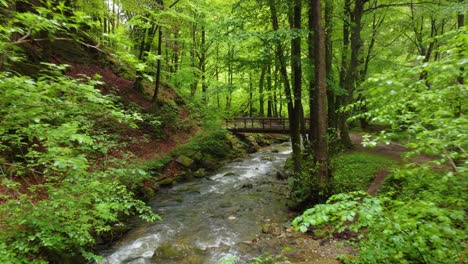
{"x": 355, "y": 171}
{"x": 55, "y": 196}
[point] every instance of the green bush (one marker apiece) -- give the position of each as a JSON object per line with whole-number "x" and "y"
{"x": 420, "y": 215}
{"x": 51, "y": 133}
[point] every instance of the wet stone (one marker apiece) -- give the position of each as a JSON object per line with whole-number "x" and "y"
{"x": 230, "y": 174}
{"x": 247, "y": 186}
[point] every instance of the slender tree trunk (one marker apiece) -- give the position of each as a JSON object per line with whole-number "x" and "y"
{"x": 230, "y": 77}
{"x": 193, "y": 87}
{"x": 203, "y": 65}
{"x": 145, "y": 47}
{"x": 250, "y": 95}
{"x": 321, "y": 151}
{"x": 340, "y": 102}
{"x": 158, "y": 67}
{"x": 176, "y": 50}
{"x": 312, "y": 98}
{"x": 329, "y": 57}
{"x": 352, "y": 75}
{"x": 297, "y": 123}
{"x": 277, "y": 97}
{"x": 269, "y": 91}
{"x": 261, "y": 85}
{"x": 217, "y": 78}
{"x": 461, "y": 79}
{"x": 295, "y": 141}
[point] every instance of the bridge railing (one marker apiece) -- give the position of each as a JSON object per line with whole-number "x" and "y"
{"x": 259, "y": 124}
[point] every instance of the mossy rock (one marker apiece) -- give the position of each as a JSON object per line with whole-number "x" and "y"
{"x": 166, "y": 181}
{"x": 185, "y": 161}
{"x": 209, "y": 163}
{"x": 180, "y": 253}
{"x": 200, "y": 173}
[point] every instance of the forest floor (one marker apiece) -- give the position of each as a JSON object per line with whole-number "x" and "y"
{"x": 393, "y": 150}
{"x": 140, "y": 142}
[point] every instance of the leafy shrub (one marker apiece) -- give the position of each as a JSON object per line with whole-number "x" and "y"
{"x": 210, "y": 142}
{"x": 50, "y": 135}
{"x": 395, "y": 231}
{"x": 420, "y": 217}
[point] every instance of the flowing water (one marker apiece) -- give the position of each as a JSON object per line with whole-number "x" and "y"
{"x": 211, "y": 219}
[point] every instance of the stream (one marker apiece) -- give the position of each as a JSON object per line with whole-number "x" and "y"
{"x": 211, "y": 219}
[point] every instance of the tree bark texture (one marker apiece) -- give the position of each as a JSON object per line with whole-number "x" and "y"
{"x": 321, "y": 150}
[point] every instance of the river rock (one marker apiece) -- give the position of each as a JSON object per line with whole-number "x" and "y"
{"x": 166, "y": 182}
{"x": 247, "y": 186}
{"x": 230, "y": 174}
{"x": 271, "y": 229}
{"x": 185, "y": 161}
{"x": 200, "y": 173}
{"x": 209, "y": 163}
{"x": 280, "y": 175}
{"x": 253, "y": 145}
{"x": 268, "y": 158}
{"x": 138, "y": 261}
{"x": 197, "y": 156}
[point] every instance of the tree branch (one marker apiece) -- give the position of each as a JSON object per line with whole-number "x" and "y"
{"x": 396, "y": 5}
{"x": 173, "y": 4}
{"x": 24, "y": 40}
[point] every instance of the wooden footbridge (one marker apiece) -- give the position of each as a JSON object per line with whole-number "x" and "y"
{"x": 273, "y": 125}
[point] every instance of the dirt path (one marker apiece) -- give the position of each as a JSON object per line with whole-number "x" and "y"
{"x": 392, "y": 150}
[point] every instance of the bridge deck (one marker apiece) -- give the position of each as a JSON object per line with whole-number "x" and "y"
{"x": 274, "y": 125}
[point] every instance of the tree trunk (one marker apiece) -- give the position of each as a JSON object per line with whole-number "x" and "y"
{"x": 158, "y": 67}
{"x": 261, "y": 84}
{"x": 352, "y": 72}
{"x": 312, "y": 98}
{"x": 321, "y": 151}
{"x": 203, "y": 65}
{"x": 295, "y": 140}
{"x": 329, "y": 57}
{"x": 297, "y": 122}
{"x": 269, "y": 91}
{"x": 461, "y": 79}
{"x": 250, "y": 95}
{"x": 193, "y": 87}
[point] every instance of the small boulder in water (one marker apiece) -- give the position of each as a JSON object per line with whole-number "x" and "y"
{"x": 200, "y": 173}
{"x": 280, "y": 175}
{"x": 247, "y": 186}
{"x": 268, "y": 158}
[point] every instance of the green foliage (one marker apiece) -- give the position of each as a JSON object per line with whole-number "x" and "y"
{"x": 229, "y": 260}
{"x": 51, "y": 133}
{"x": 47, "y": 22}
{"x": 420, "y": 217}
{"x": 428, "y": 112}
{"x": 396, "y": 231}
{"x": 268, "y": 259}
{"x": 355, "y": 171}
{"x": 212, "y": 142}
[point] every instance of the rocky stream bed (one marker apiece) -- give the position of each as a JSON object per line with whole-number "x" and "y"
{"x": 238, "y": 213}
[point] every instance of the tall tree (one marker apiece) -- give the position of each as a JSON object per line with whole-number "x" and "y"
{"x": 294, "y": 123}
{"x": 321, "y": 149}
